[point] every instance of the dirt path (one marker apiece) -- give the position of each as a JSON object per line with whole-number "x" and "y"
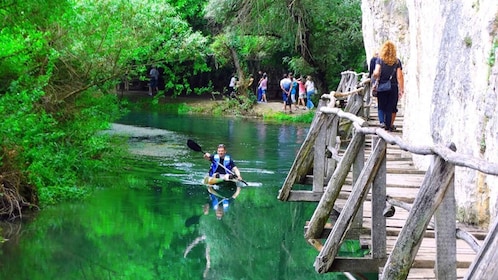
{"x": 274, "y": 106}
{"x": 205, "y": 101}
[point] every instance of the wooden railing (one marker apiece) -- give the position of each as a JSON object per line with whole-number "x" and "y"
{"x": 320, "y": 153}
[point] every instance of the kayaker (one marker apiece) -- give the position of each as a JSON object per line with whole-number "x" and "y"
{"x": 220, "y": 163}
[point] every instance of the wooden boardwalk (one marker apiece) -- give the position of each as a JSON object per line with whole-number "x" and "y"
{"x": 422, "y": 239}
{"x": 403, "y": 183}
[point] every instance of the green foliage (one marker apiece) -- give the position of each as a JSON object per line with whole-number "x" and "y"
{"x": 59, "y": 63}
{"x": 192, "y": 12}
{"x": 234, "y": 106}
{"x": 61, "y": 59}
{"x": 294, "y": 118}
{"x": 134, "y": 35}
{"x": 320, "y": 38}
{"x": 337, "y": 40}
{"x": 352, "y": 248}
{"x": 299, "y": 65}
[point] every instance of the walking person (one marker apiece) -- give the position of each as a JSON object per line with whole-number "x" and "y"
{"x": 293, "y": 89}
{"x": 263, "y": 86}
{"x": 310, "y": 90}
{"x": 259, "y": 93}
{"x": 154, "y": 77}
{"x": 302, "y": 92}
{"x": 231, "y": 85}
{"x": 285, "y": 86}
{"x": 371, "y": 68}
{"x": 389, "y": 68}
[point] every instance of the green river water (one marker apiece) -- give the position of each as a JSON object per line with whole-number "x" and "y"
{"x": 152, "y": 225}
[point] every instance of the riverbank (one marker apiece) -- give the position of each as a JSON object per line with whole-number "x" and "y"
{"x": 205, "y": 104}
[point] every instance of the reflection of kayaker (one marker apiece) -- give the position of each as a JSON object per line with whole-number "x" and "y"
{"x": 221, "y": 193}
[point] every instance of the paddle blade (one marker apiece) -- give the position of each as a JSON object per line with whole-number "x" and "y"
{"x": 193, "y": 145}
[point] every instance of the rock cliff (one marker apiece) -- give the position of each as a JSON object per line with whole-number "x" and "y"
{"x": 449, "y": 51}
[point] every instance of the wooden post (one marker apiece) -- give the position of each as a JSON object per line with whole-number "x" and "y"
{"x": 319, "y": 154}
{"x": 366, "y": 96}
{"x": 360, "y": 190}
{"x": 357, "y": 224}
{"x": 331, "y": 144}
{"x": 326, "y": 204}
{"x": 445, "y": 231}
{"x": 430, "y": 196}
{"x": 378, "y": 205}
{"x": 353, "y": 108}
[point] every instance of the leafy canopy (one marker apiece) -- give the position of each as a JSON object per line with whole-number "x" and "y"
{"x": 59, "y": 61}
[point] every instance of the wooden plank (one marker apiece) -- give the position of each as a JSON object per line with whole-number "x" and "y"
{"x": 368, "y": 265}
{"x": 402, "y": 185}
{"x": 304, "y": 196}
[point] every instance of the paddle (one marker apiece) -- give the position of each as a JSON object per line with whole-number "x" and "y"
{"x": 196, "y": 147}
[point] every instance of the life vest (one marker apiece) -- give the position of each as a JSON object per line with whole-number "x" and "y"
{"x": 216, "y": 162}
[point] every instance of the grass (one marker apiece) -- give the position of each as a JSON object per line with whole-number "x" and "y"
{"x": 217, "y": 108}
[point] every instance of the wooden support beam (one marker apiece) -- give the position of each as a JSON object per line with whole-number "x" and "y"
{"x": 310, "y": 196}
{"x": 299, "y": 167}
{"x": 430, "y": 196}
{"x": 334, "y": 186}
{"x": 484, "y": 265}
{"x": 326, "y": 257}
{"x": 357, "y": 265}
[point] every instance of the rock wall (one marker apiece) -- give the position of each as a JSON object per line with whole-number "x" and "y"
{"x": 449, "y": 52}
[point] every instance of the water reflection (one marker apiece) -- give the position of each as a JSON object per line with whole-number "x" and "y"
{"x": 152, "y": 223}
{"x": 220, "y": 199}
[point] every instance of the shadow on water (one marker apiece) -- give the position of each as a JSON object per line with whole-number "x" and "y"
{"x": 153, "y": 222}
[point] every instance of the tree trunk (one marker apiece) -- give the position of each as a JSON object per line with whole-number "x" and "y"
{"x": 241, "y": 81}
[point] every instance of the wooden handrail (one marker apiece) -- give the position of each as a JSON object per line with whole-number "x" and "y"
{"x": 345, "y": 94}
{"x": 446, "y": 153}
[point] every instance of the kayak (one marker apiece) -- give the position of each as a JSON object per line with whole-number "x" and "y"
{"x": 222, "y": 182}
{"x": 223, "y": 187}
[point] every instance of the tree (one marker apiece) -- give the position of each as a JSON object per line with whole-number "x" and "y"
{"x": 59, "y": 62}
{"x": 321, "y": 38}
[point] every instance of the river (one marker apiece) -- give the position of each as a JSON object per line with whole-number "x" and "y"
{"x": 152, "y": 223}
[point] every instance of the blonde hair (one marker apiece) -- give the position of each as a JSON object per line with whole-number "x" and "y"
{"x": 388, "y": 53}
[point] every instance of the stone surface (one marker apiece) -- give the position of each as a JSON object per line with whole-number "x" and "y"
{"x": 448, "y": 50}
